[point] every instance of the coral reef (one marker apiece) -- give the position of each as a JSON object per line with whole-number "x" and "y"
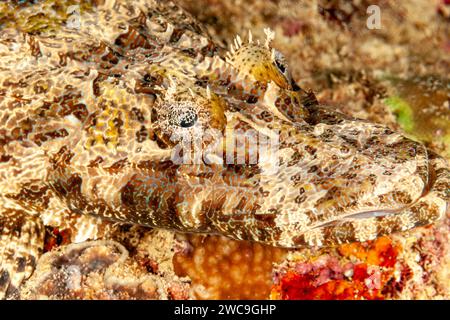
{"x": 105, "y": 269}
{"x": 386, "y": 75}
{"x": 221, "y": 268}
{"x": 364, "y": 271}
{"x": 414, "y": 266}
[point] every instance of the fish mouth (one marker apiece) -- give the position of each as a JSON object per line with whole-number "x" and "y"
{"x": 383, "y": 212}
{"x": 358, "y": 216}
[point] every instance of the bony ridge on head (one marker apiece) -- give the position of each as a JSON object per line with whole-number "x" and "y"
{"x": 260, "y": 61}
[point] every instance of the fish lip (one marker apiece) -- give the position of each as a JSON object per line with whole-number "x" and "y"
{"x": 358, "y": 216}
{"x": 431, "y": 178}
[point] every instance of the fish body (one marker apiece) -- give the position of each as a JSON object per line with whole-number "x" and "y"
{"x": 128, "y": 111}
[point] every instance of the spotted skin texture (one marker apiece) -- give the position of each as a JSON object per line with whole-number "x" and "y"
{"x": 91, "y": 115}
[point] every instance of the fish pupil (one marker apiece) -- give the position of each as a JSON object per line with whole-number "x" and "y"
{"x": 280, "y": 66}
{"x": 188, "y": 120}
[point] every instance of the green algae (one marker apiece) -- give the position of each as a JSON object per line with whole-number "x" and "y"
{"x": 421, "y": 106}
{"x": 403, "y": 111}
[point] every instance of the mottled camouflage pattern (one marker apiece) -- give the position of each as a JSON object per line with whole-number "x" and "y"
{"x": 86, "y": 119}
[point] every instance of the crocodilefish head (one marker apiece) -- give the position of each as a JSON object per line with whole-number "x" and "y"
{"x": 284, "y": 173}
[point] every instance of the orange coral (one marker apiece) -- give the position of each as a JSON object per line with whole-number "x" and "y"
{"x": 301, "y": 287}
{"x": 380, "y": 252}
{"x": 369, "y": 278}
{"x": 221, "y": 268}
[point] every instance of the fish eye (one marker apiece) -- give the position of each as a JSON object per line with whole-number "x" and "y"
{"x": 188, "y": 120}
{"x": 280, "y": 62}
{"x": 183, "y": 118}
{"x": 281, "y": 66}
